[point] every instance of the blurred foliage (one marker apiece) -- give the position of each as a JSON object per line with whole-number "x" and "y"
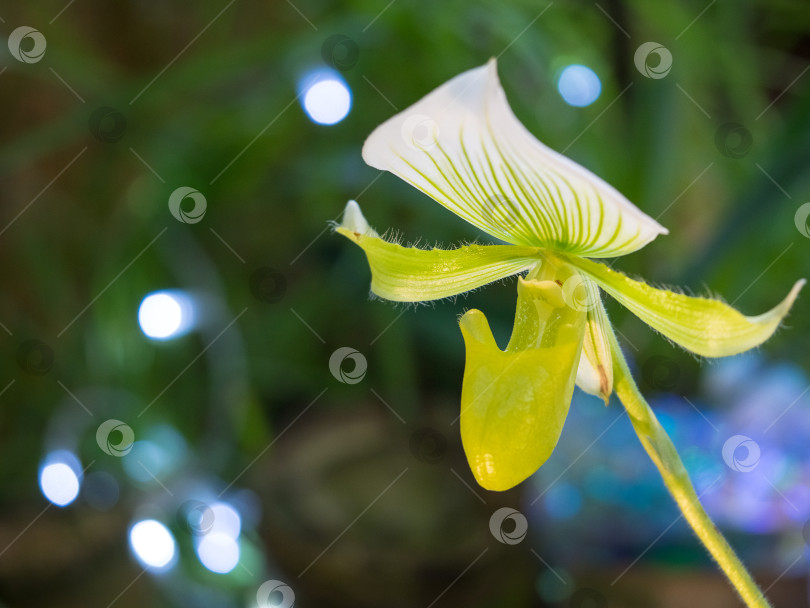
{"x": 208, "y": 92}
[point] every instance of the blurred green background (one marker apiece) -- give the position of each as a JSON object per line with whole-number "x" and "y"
{"x": 358, "y": 494}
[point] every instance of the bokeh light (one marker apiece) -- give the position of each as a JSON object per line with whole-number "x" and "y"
{"x": 164, "y": 315}
{"x": 218, "y": 549}
{"x": 226, "y": 520}
{"x": 219, "y": 552}
{"x": 60, "y": 477}
{"x": 579, "y": 85}
{"x": 152, "y": 544}
{"x": 327, "y": 98}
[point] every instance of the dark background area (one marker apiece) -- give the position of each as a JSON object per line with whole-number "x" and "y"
{"x": 358, "y": 494}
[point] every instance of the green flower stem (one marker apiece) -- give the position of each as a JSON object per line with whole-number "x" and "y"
{"x": 662, "y": 452}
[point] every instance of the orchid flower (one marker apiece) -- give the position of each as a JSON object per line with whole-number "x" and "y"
{"x": 463, "y": 146}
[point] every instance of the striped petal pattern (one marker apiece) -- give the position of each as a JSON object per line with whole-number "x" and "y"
{"x": 463, "y": 146}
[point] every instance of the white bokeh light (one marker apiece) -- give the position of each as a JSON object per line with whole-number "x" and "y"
{"x": 60, "y": 478}
{"x": 152, "y": 544}
{"x": 165, "y": 314}
{"x": 579, "y": 86}
{"x": 219, "y": 552}
{"x": 226, "y": 520}
{"x": 327, "y": 98}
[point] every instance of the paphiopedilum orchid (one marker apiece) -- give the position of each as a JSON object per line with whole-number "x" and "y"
{"x": 463, "y": 146}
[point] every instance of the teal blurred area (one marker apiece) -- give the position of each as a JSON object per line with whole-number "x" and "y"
{"x": 221, "y": 411}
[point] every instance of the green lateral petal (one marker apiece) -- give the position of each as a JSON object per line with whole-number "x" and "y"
{"x": 707, "y": 327}
{"x": 514, "y": 402}
{"x": 463, "y": 146}
{"x": 409, "y": 274}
